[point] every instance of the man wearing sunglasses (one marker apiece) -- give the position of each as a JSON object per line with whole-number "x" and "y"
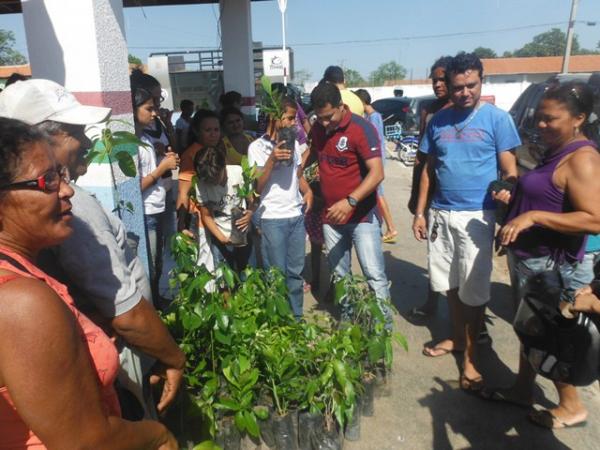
{"x": 103, "y": 274}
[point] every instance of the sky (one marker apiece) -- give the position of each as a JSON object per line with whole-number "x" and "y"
{"x": 356, "y": 34}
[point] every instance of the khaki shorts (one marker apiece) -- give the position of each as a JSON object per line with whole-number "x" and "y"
{"x": 461, "y": 255}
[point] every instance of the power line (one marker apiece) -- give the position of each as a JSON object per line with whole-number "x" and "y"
{"x": 400, "y": 38}
{"x": 428, "y": 36}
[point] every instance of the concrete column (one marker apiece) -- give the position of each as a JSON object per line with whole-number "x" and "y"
{"x": 81, "y": 45}
{"x": 236, "y": 41}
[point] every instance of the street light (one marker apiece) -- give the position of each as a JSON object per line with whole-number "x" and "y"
{"x": 282, "y": 7}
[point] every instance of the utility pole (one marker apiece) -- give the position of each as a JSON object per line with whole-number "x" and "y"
{"x": 570, "y": 32}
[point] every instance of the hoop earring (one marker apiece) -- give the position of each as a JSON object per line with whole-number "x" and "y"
{"x": 575, "y": 131}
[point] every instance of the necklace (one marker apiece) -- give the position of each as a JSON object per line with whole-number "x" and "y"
{"x": 458, "y": 131}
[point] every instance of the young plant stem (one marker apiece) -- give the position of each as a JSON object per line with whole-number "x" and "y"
{"x": 277, "y": 404}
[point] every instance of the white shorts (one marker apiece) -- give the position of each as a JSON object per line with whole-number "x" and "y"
{"x": 461, "y": 255}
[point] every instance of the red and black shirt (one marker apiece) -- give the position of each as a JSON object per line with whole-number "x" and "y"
{"x": 342, "y": 155}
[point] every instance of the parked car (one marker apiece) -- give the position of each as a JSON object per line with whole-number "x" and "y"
{"x": 403, "y": 110}
{"x": 531, "y": 151}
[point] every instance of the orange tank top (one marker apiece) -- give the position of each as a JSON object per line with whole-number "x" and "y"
{"x": 14, "y": 433}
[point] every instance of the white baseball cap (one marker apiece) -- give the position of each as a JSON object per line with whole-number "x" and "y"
{"x": 36, "y": 100}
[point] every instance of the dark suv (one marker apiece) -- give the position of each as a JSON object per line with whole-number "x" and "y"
{"x": 523, "y": 112}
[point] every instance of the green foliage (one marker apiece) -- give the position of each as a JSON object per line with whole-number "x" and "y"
{"x": 249, "y": 174}
{"x": 386, "y": 72}
{"x": 271, "y": 100}
{"x": 132, "y": 59}
{"x": 549, "y": 43}
{"x": 353, "y": 78}
{"x": 115, "y": 146}
{"x": 8, "y": 55}
{"x": 207, "y": 445}
{"x": 246, "y": 353}
{"x": 485, "y": 52}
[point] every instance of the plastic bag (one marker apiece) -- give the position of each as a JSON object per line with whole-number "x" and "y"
{"x": 228, "y": 436}
{"x": 285, "y": 432}
{"x": 352, "y": 431}
{"x": 368, "y": 398}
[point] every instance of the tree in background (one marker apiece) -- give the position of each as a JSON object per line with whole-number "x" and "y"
{"x": 8, "y": 55}
{"x": 485, "y": 52}
{"x": 386, "y": 72}
{"x": 353, "y": 78}
{"x": 300, "y": 76}
{"x": 134, "y": 60}
{"x": 549, "y": 43}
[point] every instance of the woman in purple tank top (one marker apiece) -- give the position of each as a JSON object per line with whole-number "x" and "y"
{"x": 551, "y": 210}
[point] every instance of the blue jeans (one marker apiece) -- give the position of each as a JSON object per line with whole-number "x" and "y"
{"x": 155, "y": 251}
{"x": 282, "y": 246}
{"x": 366, "y": 238}
{"x": 522, "y": 269}
{"x": 584, "y": 273}
{"x": 235, "y": 257}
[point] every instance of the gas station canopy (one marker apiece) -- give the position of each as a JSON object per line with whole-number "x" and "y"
{"x": 14, "y": 6}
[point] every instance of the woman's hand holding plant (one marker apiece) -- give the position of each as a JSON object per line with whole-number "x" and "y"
{"x": 169, "y": 162}
{"x": 244, "y": 222}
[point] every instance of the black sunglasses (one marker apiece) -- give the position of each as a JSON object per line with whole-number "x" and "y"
{"x": 48, "y": 182}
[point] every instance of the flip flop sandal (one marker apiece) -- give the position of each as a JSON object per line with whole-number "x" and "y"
{"x": 389, "y": 239}
{"x": 419, "y": 313}
{"x": 429, "y": 351}
{"x": 471, "y": 385}
{"x": 545, "y": 419}
{"x": 496, "y": 395}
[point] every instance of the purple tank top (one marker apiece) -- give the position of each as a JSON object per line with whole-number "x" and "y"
{"x": 536, "y": 191}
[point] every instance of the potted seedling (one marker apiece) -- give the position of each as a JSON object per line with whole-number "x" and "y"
{"x": 116, "y": 146}
{"x": 245, "y": 193}
{"x": 273, "y": 108}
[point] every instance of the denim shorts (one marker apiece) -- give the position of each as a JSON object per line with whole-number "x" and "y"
{"x": 521, "y": 269}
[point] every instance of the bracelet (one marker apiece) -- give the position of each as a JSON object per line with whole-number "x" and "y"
{"x": 419, "y": 215}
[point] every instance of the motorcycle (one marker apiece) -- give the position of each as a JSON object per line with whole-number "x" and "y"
{"x": 407, "y": 149}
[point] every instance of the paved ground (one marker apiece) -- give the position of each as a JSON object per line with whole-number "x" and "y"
{"x": 426, "y": 409}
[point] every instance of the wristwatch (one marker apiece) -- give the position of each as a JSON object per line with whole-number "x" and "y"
{"x": 352, "y": 201}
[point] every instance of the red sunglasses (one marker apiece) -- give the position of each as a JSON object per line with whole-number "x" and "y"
{"x": 48, "y": 182}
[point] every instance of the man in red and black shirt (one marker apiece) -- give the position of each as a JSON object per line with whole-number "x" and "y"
{"x": 350, "y": 169}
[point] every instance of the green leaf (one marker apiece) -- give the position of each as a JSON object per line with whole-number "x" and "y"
{"x": 262, "y": 412}
{"x": 230, "y": 377}
{"x": 190, "y": 321}
{"x": 389, "y": 353}
{"x": 251, "y": 425}
{"x": 340, "y": 290}
{"x": 126, "y": 137}
{"x": 243, "y": 363}
{"x": 240, "y": 421}
{"x": 223, "y": 321}
{"x": 228, "y": 276}
{"x": 376, "y": 350}
{"x": 207, "y": 445}
{"x": 224, "y": 339}
{"x": 265, "y": 81}
{"x": 227, "y": 403}
{"x": 400, "y": 339}
{"x": 91, "y": 155}
{"x": 283, "y": 307}
{"x": 126, "y": 163}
